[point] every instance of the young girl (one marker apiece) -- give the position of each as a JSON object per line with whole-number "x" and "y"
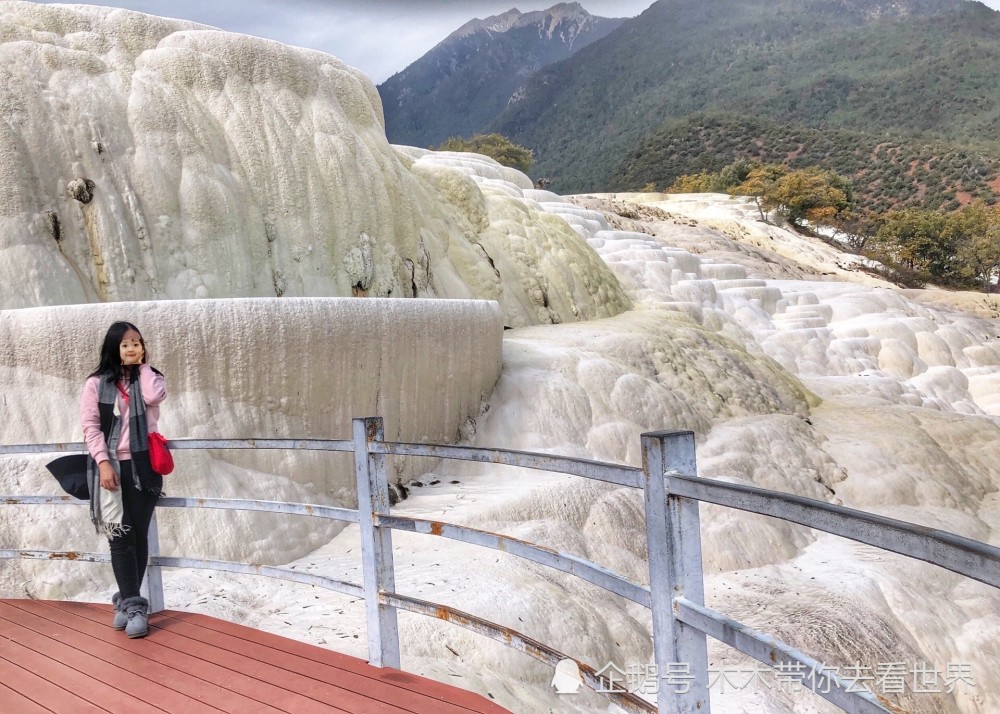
{"x": 123, "y": 487}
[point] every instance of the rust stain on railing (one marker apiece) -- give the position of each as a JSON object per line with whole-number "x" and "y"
{"x": 889, "y": 705}
{"x": 520, "y": 642}
{"x": 25, "y": 500}
{"x": 65, "y": 555}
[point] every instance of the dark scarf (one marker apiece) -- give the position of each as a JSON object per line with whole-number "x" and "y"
{"x": 142, "y": 473}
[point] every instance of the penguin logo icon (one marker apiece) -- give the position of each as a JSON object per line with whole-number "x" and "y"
{"x": 567, "y": 679}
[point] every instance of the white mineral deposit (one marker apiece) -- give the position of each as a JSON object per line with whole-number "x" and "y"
{"x": 149, "y": 159}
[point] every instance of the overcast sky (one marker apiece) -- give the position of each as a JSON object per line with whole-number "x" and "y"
{"x": 380, "y": 37}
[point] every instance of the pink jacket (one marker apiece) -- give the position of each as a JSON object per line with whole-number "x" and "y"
{"x": 154, "y": 391}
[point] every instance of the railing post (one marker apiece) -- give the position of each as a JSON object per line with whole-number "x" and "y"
{"x": 376, "y": 544}
{"x": 673, "y": 535}
{"x": 153, "y": 581}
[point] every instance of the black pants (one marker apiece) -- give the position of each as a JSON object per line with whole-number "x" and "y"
{"x": 130, "y": 551}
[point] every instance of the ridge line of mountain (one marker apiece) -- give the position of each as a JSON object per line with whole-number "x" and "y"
{"x": 927, "y": 69}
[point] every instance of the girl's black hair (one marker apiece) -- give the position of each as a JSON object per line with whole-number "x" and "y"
{"x": 110, "y": 365}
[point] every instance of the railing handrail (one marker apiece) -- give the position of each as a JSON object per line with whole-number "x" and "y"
{"x": 580, "y": 567}
{"x": 619, "y": 474}
{"x": 676, "y": 491}
{"x": 225, "y": 566}
{"x": 247, "y": 443}
{"x": 965, "y": 556}
{"x": 961, "y": 555}
{"x": 336, "y": 513}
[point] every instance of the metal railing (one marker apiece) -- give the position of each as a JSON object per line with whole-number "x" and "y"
{"x": 672, "y": 492}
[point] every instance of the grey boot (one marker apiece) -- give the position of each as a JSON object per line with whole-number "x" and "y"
{"x": 121, "y": 619}
{"x": 137, "y": 611}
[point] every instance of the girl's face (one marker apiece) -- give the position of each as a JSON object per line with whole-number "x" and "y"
{"x": 131, "y": 348}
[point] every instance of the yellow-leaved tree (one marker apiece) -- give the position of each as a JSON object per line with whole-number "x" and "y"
{"x": 803, "y": 195}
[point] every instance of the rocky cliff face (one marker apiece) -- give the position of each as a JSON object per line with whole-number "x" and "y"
{"x": 145, "y": 158}
{"x": 466, "y": 80}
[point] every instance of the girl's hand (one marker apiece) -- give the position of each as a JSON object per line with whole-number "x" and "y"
{"x": 109, "y": 479}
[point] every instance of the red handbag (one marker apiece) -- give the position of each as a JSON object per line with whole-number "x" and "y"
{"x": 159, "y": 454}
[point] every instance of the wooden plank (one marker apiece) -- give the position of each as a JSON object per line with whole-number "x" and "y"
{"x": 11, "y": 701}
{"x": 285, "y": 690}
{"x": 378, "y": 684}
{"x": 81, "y": 686}
{"x": 439, "y": 691}
{"x": 300, "y": 693}
{"x": 199, "y": 662}
{"x": 148, "y": 660}
{"x": 112, "y": 685}
{"x": 40, "y": 690}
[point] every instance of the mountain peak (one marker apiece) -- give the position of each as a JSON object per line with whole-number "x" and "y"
{"x": 514, "y": 18}
{"x": 566, "y": 10}
{"x": 470, "y": 76}
{"x": 491, "y": 24}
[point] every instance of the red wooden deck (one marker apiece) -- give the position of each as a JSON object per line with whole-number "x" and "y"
{"x": 64, "y": 657}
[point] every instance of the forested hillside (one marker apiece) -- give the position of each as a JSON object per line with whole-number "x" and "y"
{"x": 909, "y": 69}
{"x": 885, "y": 172}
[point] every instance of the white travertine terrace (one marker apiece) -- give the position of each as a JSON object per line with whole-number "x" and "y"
{"x": 795, "y": 371}
{"x": 145, "y": 158}
{"x": 245, "y": 368}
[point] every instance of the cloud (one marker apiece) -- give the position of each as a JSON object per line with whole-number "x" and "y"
{"x": 380, "y": 37}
